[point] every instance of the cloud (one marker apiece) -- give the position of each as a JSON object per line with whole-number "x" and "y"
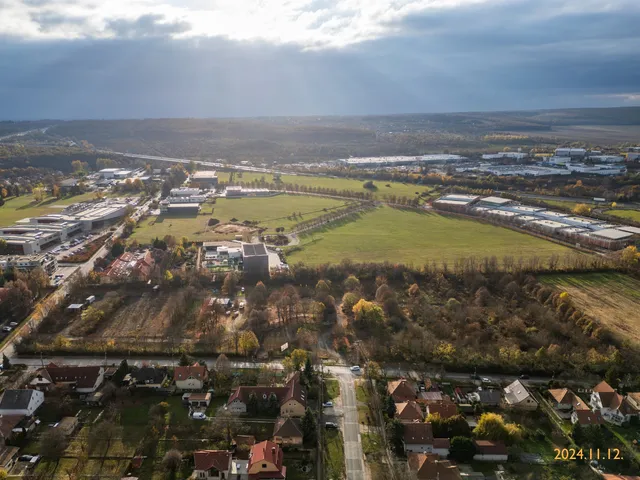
{"x": 150, "y": 25}
{"x": 261, "y": 57}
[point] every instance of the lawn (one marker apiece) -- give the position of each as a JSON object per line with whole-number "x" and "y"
{"x": 382, "y": 190}
{"x": 25, "y": 206}
{"x": 334, "y": 464}
{"x": 332, "y": 388}
{"x": 270, "y": 212}
{"x": 561, "y": 203}
{"x": 411, "y": 237}
{"x": 611, "y": 298}
{"x": 627, "y": 214}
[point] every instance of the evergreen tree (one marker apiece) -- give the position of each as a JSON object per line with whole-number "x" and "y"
{"x": 308, "y": 369}
{"x": 185, "y": 360}
{"x": 309, "y": 426}
{"x": 390, "y": 407}
{"x": 273, "y": 405}
{"x": 6, "y": 363}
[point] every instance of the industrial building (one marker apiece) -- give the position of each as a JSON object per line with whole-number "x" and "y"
{"x": 35, "y": 234}
{"x": 115, "y": 173}
{"x": 579, "y": 230}
{"x": 237, "y": 192}
{"x": 607, "y": 158}
{"x": 255, "y": 259}
{"x": 179, "y": 208}
{"x": 184, "y": 192}
{"x": 517, "y": 170}
{"x": 207, "y": 179}
{"x": 503, "y": 155}
{"x": 221, "y": 255}
{"x": 397, "y": 161}
{"x": 607, "y": 169}
{"x": 571, "y": 152}
{"x": 26, "y": 263}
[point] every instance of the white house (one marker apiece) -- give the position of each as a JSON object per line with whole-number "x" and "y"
{"x": 517, "y": 396}
{"x": 191, "y": 377}
{"x": 614, "y": 407}
{"x": 488, "y": 451}
{"x": 20, "y": 402}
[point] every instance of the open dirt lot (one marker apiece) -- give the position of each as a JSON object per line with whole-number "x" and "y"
{"x": 612, "y": 298}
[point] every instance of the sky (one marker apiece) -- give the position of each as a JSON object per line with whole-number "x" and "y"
{"x": 78, "y": 59}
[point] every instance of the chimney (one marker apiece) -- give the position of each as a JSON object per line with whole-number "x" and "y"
{"x": 273, "y": 450}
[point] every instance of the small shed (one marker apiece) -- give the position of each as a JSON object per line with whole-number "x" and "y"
{"x": 75, "y": 307}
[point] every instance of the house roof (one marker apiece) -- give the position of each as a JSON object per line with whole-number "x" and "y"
{"x": 418, "y": 433}
{"x": 8, "y": 423}
{"x": 587, "y": 417}
{"x": 207, "y": 459}
{"x": 603, "y": 387}
{"x": 561, "y": 395}
{"x": 488, "y": 447}
{"x": 84, "y": 377}
{"x": 149, "y": 375}
{"x": 409, "y": 411}
{"x": 199, "y": 397}
{"x": 15, "y": 399}
{"x": 441, "y": 443}
{"x": 196, "y": 371}
{"x": 287, "y": 427}
{"x": 7, "y": 454}
{"x": 635, "y": 396}
{"x": 291, "y": 391}
{"x": 429, "y": 466}
{"x": 267, "y": 452}
{"x": 578, "y": 403}
{"x": 131, "y": 264}
{"x": 611, "y": 476}
{"x": 401, "y": 390}
{"x": 432, "y": 397}
{"x": 489, "y": 396}
{"x": 445, "y": 410}
{"x": 516, "y": 393}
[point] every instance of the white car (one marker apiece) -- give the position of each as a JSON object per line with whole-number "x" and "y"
{"x": 330, "y": 425}
{"x": 355, "y": 369}
{"x": 486, "y": 380}
{"x": 327, "y": 404}
{"x": 199, "y": 416}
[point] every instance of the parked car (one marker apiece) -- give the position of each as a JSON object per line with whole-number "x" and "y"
{"x": 199, "y": 416}
{"x": 327, "y": 404}
{"x": 7, "y": 329}
{"x": 355, "y": 368}
{"x": 524, "y": 376}
{"x": 486, "y": 380}
{"x": 330, "y": 425}
{"x": 13, "y": 324}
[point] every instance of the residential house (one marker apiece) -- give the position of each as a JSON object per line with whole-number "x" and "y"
{"x": 445, "y": 410}
{"x": 77, "y": 379}
{"x": 441, "y": 446}
{"x": 20, "y": 402}
{"x": 489, "y": 451}
{"x": 401, "y": 390}
{"x": 291, "y": 397}
{"x": 147, "y": 377}
{"x": 131, "y": 266}
{"x": 614, "y": 407}
{"x": 212, "y": 464}
{"x": 586, "y": 417}
{"x": 562, "y": 401}
{"x": 634, "y": 400}
{"x": 8, "y": 425}
{"x": 431, "y": 467}
{"x": 518, "y": 396}
{"x": 488, "y": 398}
{"x": 409, "y": 412}
{"x": 432, "y": 397}
{"x": 8, "y": 457}
{"x": 191, "y": 377}
{"x": 418, "y": 438}
{"x": 288, "y": 432}
{"x": 266, "y": 462}
{"x": 197, "y": 400}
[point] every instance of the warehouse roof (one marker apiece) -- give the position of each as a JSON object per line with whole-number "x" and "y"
{"x": 496, "y": 200}
{"x": 548, "y": 223}
{"x": 253, "y": 249}
{"x": 612, "y": 234}
{"x": 635, "y": 230}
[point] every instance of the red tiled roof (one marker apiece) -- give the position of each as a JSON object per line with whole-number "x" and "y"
{"x": 287, "y": 427}
{"x": 401, "y": 390}
{"x": 445, "y": 410}
{"x": 206, "y": 459}
{"x": 429, "y": 466}
{"x": 267, "y": 452}
{"x": 441, "y": 443}
{"x": 293, "y": 390}
{"x": 562, "y": 395}
{"x": 418, "y": 433}
{"x": 131, "y": 264}
{"x": 84, "y": 377}
{"x": 409, "y": 411}
{"x": 196, "y": 371}
{"x": 603, "y": 387}
{"x": 587, "y": 417}
{"x": 487, "y": 447}
{"x": 7, "y": 423}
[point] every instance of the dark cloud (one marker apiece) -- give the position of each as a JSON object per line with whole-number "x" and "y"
{"x": 475, "y": 58}
{"x": 49, "y": 21}
{"x": 150, "y": 25}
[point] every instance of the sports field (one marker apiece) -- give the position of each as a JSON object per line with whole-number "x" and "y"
{"x": 394, "y": 188}
{"x": 611, "y": 298}
{"x": 17, "y": 208}
{"x": 628, "y": 214}
{"x": 407, "y": 236}
{"x": 270, "y": 212}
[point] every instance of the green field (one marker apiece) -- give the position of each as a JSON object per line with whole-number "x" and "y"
{"x": 407, "y": 236}
{"x": 561, "y": 203}
{"x": 25, "y": 206}
{"x": 611, "y": 298}
{"x": 394, "y": 188}
{"x": 270, "y": 212}
{"x": 628, "y": 214}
